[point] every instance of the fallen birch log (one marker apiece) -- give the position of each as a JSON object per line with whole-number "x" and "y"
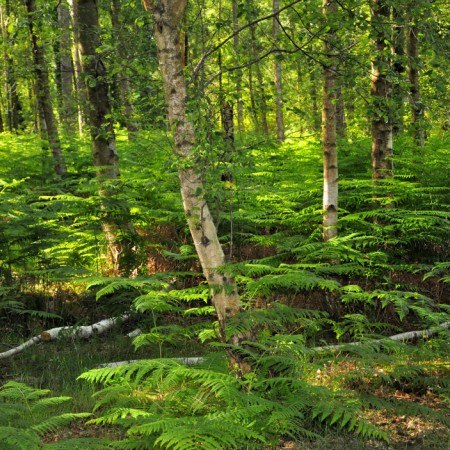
{"x": 409, "y": 335}
{"x": 85, "y": 331}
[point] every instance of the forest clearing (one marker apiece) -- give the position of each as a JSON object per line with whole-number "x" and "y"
{"x": 224, "y": 225}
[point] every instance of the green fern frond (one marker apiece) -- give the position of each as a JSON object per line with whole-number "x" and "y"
{"x": 12, "y": 438}
{"x": 51, "y": 424}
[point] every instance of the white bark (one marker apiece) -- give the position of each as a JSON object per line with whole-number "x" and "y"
{"x": 407, "y": 336}
{"x": 73, "y": 332}
{"x": 167, "y": 19}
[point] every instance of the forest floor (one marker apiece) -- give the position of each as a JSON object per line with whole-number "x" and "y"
{"x": 56, "y": 365}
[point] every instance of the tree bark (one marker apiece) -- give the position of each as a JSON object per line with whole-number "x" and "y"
{"x": 105, "y": 156}
{"x": 417, "y": 106}
{"x": 43, "y": 93}
{"x": 122, "y": 77}
{"x": 330, "y": 158}
{"x": 167, "y": 15}
{"x": 278, "y": 75}
{"x": 66, "y": 72}
{"x": 381, "y": 92}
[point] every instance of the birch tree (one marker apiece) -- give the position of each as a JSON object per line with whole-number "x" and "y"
{"x": 167, "y": 16}
{"x": 330, "y": 160}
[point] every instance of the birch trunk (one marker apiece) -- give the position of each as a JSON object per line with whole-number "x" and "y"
{"x": 330, "y": 159}
{"x": 167, "y": 15}
{"x": 43, "y": 93}
{"x": 381, "y": 92}
{"x": 278, "y": 75}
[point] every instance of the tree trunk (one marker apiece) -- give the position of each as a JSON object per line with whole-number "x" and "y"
{"x": 122, "y": 77}
{"x": 167, "y": 15}
{"x": 237, "y": 49}
{"x": 80, "y": 85}
{"x": 14, "y": 118}
{"x": 43, "y": 93}
{"x": 330, "y": 159}
{"x": 262, "y": 103}
{"x": 65, "y": 69}
{"x": 278, "y": 72}
{"x": 105, "y": 156}
{"x": 381, "y": 92}
{"x": 417, "y": 106}
{"x": 398, "y": 52}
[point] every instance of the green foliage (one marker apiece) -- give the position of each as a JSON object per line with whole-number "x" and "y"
{"x": 161, "y": 402}
{"x": 27, "y": 414}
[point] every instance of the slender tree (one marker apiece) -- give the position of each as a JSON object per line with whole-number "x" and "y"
{"x": 278, "y": 74}
{"x": 13, "y": 104}
{"x": 167, "y": 15}
{"x": 415, "y": 100}
{"x": 237, "y": 49}
{"x": 80, "y": 85}
{"x": 261, "y": 101}
{"x": 122, "y": 77}
{"x": 330, "y": 158}
{"x": 105, "y": 156}
{"x": 381, "y": 92}
{"x": 44, "y": 98}
{"x": 398, "y": 53}
{"x": 65, "y": 67}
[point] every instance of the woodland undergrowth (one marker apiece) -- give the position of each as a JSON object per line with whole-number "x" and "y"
{"x": 386, "y": 272}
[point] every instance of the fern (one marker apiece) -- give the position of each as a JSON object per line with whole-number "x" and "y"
{"x": 22, "y": 411}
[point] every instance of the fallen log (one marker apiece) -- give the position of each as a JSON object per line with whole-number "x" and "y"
{"x": 407, "y": 336}
{"x": 84, "y": 331}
